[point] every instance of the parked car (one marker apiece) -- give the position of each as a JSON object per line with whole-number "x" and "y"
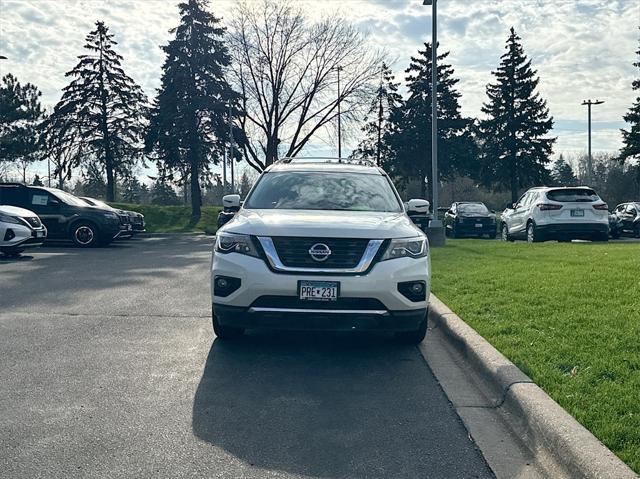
{"x": 65, "y": 215}
{"x": 19, "y": 229}
{"x": 562, "y": 214}
{"x": 627, "y": 220}
{"x": 229, "y": 209}
{"x": 125, "y": 218}
{"x": 467, "y": 218}
{"x": 320, "y": 244}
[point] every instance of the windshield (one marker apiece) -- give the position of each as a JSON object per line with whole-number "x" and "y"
{"x": 573, "y": 195}
{"x": 67, "y": 198}
{"x": 317, "y": 190}
{"x": 473, "y": 208}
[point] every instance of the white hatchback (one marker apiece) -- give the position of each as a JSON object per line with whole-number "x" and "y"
{"x": 321, "y": 244}
{"x": 562, "y": 214}
{"x": 19, "y": 229}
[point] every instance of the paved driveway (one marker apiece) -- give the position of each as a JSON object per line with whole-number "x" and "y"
{"x": 109, "y": 369}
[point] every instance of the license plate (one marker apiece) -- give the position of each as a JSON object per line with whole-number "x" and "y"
{"x": 478, "y": 225}
{"x": 318, "y": 290}
{"x": 577, "y": 212}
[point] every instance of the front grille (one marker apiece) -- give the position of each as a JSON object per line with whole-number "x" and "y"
{"x": 124, "y": 219}
{"x": 293, "y": 302}
{"x": 345, "y": 252}
{"x": 137, "y": 220}
{"x": 33, "y": 221}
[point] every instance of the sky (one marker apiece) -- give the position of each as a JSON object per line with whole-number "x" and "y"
{"x": 581, "y": 48}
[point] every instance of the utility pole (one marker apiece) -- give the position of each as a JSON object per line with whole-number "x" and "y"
{"x": 590, "y": 159}
{"x": 339, "y": 125}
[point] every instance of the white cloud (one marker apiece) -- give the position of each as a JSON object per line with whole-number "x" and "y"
{"x": 581, "y": 48}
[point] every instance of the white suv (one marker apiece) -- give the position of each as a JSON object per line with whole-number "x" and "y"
{"x": 321, "y": 244}
{"x": 19, "y": 229}
{"x": 559, "y": 214}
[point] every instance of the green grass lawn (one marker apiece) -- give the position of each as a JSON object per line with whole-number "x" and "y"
{"x": 567, "y": 314}
{"x": 174, "y": 219}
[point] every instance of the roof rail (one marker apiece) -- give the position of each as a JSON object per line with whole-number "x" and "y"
{"x": 320, "y": 159}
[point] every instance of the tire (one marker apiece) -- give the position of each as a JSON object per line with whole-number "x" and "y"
{"x": 532, "y": 236}
{"x": 604, "y": 238}
{"x": 504, "y": 233}
{"x": 225, "y": 332}
{"x": 85, "y": 234}
{"x": 413, "y": 337}
{"x": 615, "y": 235}
{"x": 12, "y": 252}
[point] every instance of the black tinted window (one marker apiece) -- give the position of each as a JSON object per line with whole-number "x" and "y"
{"x": 573, "y": 195}
{"x": 12, "y": 195}
{"x": 473, "y": 208}
{"x": 313, "y": 190}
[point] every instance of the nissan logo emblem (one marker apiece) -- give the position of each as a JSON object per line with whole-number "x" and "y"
{"x": 319, "y": 252}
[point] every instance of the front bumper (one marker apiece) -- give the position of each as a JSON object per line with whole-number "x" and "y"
{"x": 21, "y": 236}
{"x": 380, "y": 282}
{"x": 319, "y": 319}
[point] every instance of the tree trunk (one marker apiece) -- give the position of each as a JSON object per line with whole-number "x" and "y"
{"x": 111, "y": 193}
{"x": 196, "y": 197}
{"x": 514, "y": 181}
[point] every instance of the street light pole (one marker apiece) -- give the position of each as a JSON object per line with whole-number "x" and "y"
{"x": 590, "y": 159}
{"x": 339, "y": 113}
{"x": 437, "y": 233}
{"x": 233, "y": 184}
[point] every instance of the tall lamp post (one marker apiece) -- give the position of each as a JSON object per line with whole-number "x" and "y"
{"x": 339, "y": 69}
{"x": 435, "y": 231}
{"x": 588, "y": 103}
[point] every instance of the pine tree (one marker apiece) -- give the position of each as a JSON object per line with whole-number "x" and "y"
{"x": 190, "y": 118}
{"x": 631, "y": 138}
{"x": 408, "y": 138}
{"x": 515, "y": 149}
{"x": 103, "y": 108}
{"x": 562, "y": 174}
{"x": 163, "y": 194}
{"x": 20, "y": 117}
{"x": 245, "y": 185}
{"x": 386, "y": 99}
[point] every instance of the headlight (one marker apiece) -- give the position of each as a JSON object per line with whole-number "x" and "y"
{"x": 235, "y": 243}
{"x": 406, "y": 248}
{"x": 9, "y": 219}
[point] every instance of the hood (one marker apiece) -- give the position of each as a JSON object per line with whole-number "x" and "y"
{"x": 327, "y": 224}
{"x": 15, "y": 211}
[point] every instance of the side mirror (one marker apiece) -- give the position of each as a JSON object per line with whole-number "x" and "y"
{"x": 231, "y": 201}
{"x": 418, "y": 206}
{"x": 510, "y": 206}
{"x": 54, "y": 203}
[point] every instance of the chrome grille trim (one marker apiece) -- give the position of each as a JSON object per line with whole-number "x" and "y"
{"x": 274, "y": 260}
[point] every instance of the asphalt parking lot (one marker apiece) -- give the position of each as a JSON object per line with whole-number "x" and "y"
{"x": 110, "y": 369}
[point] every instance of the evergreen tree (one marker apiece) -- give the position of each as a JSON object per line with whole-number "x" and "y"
{"x": 515, "y": 149}
{"x": 245, "y": 185}
{"x": 103, "y": 108}
{"x": 20, "y": 118}
{"x": 190, "y": 118}
{"x": 562, "y": 174}
{"x": 93, "y": 184}
{"x": 131, "y": 190}
{"x": 408, "y": 138}
{"x": 631, "y": 138}
{"x": 163, "y": 194}
{"x": 385, "y": 100}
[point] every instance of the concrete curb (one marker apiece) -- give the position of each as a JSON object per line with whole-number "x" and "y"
{"x": 162, "y": 235}
{"x": 564, "y": 447}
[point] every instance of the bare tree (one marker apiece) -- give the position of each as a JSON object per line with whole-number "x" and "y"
{"x": 286, "y": 69}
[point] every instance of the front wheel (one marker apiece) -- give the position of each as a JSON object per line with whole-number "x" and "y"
{"x": 504, "y": 233}
{"x": 12, "y": 252}
{"x": 84, "y": 235}
{"x": 413, "y": 337}
{"x": 225, "y": 332}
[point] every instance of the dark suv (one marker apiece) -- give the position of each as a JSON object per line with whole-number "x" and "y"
{"x": 64, "y": 215}
{"x": 625, "y": 220}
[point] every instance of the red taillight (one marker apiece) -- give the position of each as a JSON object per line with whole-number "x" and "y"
{"x": 601, "y": 206}
{"x": 548, "y": 206}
